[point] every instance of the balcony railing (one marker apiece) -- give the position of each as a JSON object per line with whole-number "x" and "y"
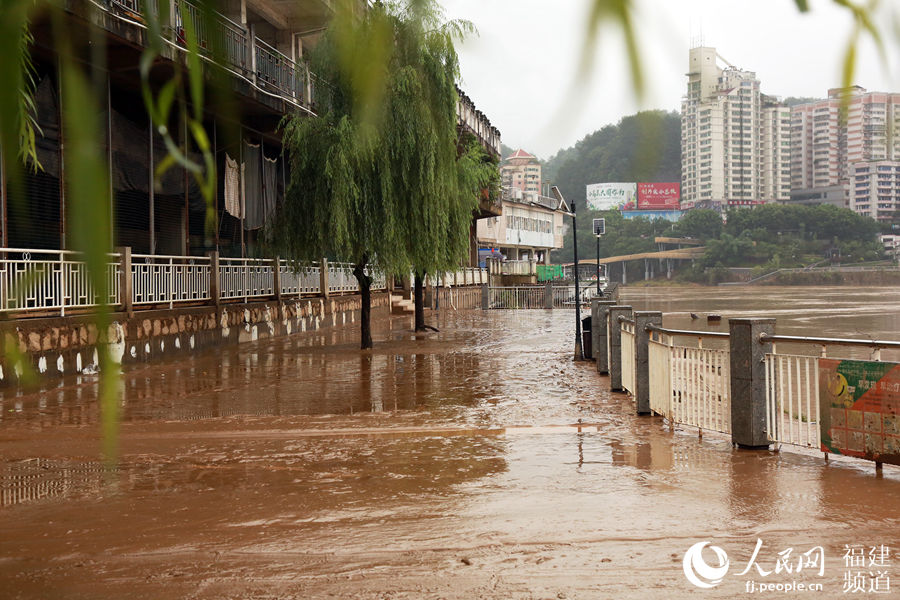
{"x": 276, "y": 72}
{"x": 231, "y": 45}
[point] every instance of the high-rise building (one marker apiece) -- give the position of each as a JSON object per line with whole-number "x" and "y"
{"x": 851, "y": 154}
{"x": 735, "y": 141}
{"x": 521, "y": 171}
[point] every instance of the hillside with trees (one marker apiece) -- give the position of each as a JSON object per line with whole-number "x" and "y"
{"x": 641, "y": 147}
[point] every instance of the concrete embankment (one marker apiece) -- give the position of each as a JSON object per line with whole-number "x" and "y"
{"x": 64, "y": 345}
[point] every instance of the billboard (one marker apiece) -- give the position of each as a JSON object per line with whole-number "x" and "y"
{"x": 659, "y": 196}
{"x": 606, "y": 196}
{"x": 860, "y": 408}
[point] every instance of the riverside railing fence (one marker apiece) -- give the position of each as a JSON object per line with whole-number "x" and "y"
{"x": 839, "y": 396}
{"x": 55, "y": 282}
{"x": 544, "y": 296}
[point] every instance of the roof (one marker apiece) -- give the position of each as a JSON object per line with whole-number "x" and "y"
{"x": 520, "y": 154}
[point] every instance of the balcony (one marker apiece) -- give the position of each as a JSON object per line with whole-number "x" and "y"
{"x": 236, "y": 50}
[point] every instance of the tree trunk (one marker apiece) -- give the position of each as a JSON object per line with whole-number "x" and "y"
{"x": 365, "y": 294}
{"x": 419, "y": 297}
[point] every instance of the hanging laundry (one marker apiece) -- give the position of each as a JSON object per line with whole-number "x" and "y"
{"x": 254, "y": 215}
{"x": 232, "y": 188}
{"x": 270, "y": 187}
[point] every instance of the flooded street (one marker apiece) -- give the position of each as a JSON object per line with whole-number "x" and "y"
{"x": 477, "y": 462}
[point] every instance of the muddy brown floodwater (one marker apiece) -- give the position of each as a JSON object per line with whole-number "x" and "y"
{"x": 478, "y": 462}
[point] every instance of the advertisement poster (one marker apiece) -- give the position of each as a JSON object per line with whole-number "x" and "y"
{"x": 607, "y": 196}
{"x": 860, "y": 408}
{"x": 659, "y": 196}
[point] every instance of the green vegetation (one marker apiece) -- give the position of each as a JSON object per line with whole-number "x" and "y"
{"x": 641, "y": 147}
{"x": 375, "y": 177}
{"x": 775, "y": 236}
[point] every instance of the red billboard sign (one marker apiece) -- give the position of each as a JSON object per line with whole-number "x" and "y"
{"x": 659, "y": 196}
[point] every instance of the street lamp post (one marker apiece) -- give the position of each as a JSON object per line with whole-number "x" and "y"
{"x": 579, "y": 352}
{"x": 599, "y": 229}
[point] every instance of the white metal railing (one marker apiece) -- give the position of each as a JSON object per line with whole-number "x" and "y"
{"x": 341, "y": 278}
{"x": 792, "y": 399}
{"x": 659, "y": 358}
{"x": 627, "y": 348}
{"x": 39, "y": 280}
{"x": 701, "y": 388}
{"x": 379, "y": 279}
{"x": 516, "y": 297}
{"x": 300, "y": 279}
{"x": 690, "y": 385}
{"x": 564, "y": 296}
{"x": 246, "y": 277}
{"x": 159, "y": 279}
{"x": 518, "y": 267}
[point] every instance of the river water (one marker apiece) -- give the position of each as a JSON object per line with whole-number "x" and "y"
{"x": 477, "y": 462}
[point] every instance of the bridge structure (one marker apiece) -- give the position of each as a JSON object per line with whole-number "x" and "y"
{"x": 664, "y": 259}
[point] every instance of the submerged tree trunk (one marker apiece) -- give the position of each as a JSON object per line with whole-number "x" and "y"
{"x": 419, "y": 298}
{"x": 365, "y": 295}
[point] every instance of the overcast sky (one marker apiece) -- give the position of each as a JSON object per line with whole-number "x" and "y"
{"x": 521, "y": 70}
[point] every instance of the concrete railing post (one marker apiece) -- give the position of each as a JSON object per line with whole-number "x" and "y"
{"x": 276, "y": 278}
{"x": 323, "y": 278}
{"x": 600, "y": 333}
{"x": 748, "y": 381}
{"x": 548, "y": 295}
{"x": 215, "y": 281}
{"x": 485, "y": 297}
{"x": 614, "y": 352}
{"x": 642, "y": 319}
{"x": 126, "y": 283}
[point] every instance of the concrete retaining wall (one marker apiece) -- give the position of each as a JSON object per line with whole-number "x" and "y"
{"x": 62, "y": 345}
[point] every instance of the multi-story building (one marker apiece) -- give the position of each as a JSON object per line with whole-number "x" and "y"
{"x": 529, "y": 227}
{"x": 875, "y": 189}
{"x": 521, "y": 171}
{"x": 734, "y": 140}
{"x": 258, "y": 46}
{"x": 836, "y": 157}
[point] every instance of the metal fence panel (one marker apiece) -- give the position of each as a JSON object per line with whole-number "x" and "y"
{"x": 792, "y": 400}
{"x": 660, "y": 359}
{"x": 628, "y": 366}
{"x": 701, "y": 388}
{"x": 168, "y": 279}
{"x": 36, "y": 280}
{"x": 516, "y": 297}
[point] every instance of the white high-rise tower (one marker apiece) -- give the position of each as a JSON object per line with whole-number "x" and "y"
{"x": 735, "y": 141}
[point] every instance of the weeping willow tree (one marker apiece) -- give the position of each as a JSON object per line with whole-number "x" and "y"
{"x": 375, "y": 177}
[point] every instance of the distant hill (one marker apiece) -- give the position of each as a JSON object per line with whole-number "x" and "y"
{"x": 641, "y": 147}
{"x": 794, "y": 101}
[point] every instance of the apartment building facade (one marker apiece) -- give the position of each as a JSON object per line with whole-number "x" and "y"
{"x": 259, "y": 46}
{"x": 851, "y": 157}
{"x": 521, "y": 171}
{"x": 735, "y": 141}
